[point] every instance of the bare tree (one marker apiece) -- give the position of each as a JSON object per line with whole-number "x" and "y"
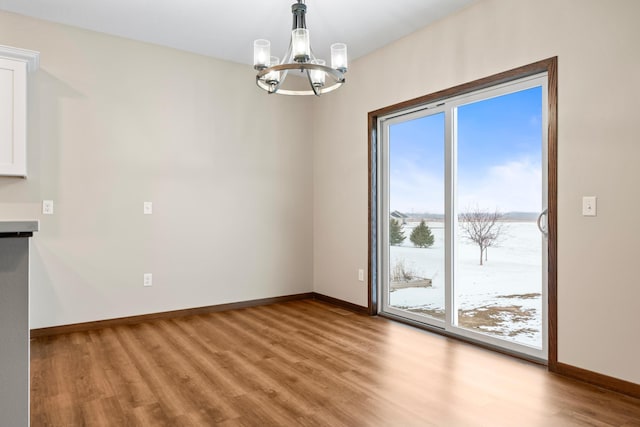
{"x": 481, "y": 227}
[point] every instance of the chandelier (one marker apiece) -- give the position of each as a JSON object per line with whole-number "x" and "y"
{"x": 299, "y": 61}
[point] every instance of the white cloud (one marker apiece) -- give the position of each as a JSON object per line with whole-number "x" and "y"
{"x": 513, "y": 186}
{"x": 415, "y": 190}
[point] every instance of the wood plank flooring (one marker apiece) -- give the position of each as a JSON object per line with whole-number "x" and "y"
{"x": 301, "y": 363}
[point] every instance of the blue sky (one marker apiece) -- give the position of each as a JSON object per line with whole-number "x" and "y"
{"x": 499, "y": 157}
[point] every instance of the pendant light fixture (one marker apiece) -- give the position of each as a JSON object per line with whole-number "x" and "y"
{"x": 299, "y": 61}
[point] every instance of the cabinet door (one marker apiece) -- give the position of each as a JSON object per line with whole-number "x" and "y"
{"x": 13, "y": 118}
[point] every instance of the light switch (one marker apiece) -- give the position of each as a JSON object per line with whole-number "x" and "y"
{"x": 147, "y": 208}
{"x": 589, "y": 206}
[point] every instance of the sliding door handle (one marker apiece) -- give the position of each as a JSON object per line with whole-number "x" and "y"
{"x": 544, "y": 230}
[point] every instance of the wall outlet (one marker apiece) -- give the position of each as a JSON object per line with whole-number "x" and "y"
{"x": 589, "y": 206}
{"x": 47, "y": 207}
{"x": 361, "y": 275}
{"x": 147, "y": 279}
{"x": 147, "y": 208}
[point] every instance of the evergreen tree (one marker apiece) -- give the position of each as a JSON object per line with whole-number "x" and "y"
{"x": 421, "y": 236}
{"x": 396, "y": 235}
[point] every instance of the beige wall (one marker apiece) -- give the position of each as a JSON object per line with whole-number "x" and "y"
{"x": 235, "y": 188}
{"x": 114, "y": 123}
{"x": 599, "y": 64}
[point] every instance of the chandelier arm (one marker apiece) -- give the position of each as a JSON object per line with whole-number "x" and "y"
{"x": 336, "y": 75}
{"x": 312, "y": 57}
{"x": 309, "y": 92}
{"x": 288, "y": 56}
{"x": 313, "y": 87}
{"x": 263, "y": 85}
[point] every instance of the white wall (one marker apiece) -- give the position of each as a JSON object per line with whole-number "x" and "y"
{"x": 114, "y": 123}
{"x": 596, "y": 43}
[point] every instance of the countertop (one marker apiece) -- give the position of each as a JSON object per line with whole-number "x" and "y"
{"x": 19, "y": 226}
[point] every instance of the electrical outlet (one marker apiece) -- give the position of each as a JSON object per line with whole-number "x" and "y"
{"x": 589, "y": 206}
{"x": 147, "y": 208}
{"x": 147, "y": 279}
{"x": 361, "y": 275}
{"x": 47, "y": 207}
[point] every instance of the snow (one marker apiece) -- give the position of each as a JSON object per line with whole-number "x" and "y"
{"x": 513, "y": 270}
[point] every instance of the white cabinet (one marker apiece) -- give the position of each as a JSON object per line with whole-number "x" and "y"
{"x": 15, "y": 64}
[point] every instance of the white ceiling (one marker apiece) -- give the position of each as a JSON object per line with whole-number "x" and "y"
{"x": 226, "y": 29}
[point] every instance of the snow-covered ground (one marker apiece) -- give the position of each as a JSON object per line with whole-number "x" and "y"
{"x": 511, "y": 278}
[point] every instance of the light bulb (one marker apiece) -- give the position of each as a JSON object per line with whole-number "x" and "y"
{"x": 300, "y": 44}
{"x": 339, "y": 56}
{"x": 318, "y": 76}
{"x": 273, "y": 77}
{"x": 261, "y": 53}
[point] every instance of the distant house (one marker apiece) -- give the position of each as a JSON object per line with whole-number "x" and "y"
{"x": 402, "y": 218}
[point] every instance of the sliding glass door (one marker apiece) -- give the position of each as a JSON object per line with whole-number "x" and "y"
{"x": 462, "y": 199}
{"x": 415, "y": 249}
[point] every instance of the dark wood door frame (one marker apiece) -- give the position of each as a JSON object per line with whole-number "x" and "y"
{"x": 550, "y": 66}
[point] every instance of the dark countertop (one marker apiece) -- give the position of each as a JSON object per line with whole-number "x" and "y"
{"x": 18, "y": 228}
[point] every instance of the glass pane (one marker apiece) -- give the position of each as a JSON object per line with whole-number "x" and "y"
{"x": 416, "y": 212}
{"x": 498, "y": 268}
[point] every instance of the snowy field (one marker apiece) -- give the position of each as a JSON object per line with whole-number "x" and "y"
{"x": 501, "y": 298}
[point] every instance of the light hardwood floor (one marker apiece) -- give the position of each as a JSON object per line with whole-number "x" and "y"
{"x": 303, "y": 363}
